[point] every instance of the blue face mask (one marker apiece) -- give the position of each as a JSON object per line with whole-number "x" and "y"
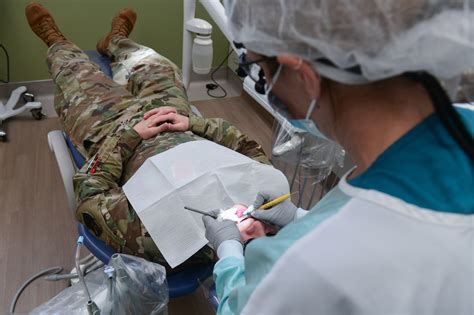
{"x": 307, "y": 124}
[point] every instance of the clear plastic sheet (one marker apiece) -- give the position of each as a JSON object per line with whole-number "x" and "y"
{"x": 131, "y": 285}
{"x": 307, "y": 161}
{"x": 208, "y": 287}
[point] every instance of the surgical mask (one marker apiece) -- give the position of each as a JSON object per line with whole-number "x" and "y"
{"x": 307, "y": 124}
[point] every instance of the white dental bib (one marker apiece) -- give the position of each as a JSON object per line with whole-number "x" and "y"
{"x": 201, "y": 175}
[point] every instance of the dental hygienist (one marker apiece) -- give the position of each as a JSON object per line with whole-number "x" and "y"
{"x": 396, "y": 235}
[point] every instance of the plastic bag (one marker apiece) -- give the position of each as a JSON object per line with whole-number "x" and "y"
{"x": 128, "y": 285}
{"x": 307, "y": 161}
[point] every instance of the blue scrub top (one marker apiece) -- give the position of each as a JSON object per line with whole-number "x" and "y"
{"x": 426, "y": 167}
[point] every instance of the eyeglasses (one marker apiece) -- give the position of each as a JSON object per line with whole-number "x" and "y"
{"x": 246, "y": 65}
{"x": 245, "y": 69}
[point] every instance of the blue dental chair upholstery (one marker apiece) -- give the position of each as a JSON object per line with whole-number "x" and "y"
{"x": 69, "y": 161}
{"x": 102, "y": 61}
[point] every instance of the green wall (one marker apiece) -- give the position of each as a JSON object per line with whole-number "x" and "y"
{"x": 159, "y": 26}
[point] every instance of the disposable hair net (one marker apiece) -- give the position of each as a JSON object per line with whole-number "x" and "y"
{"x": 359, "y": 41}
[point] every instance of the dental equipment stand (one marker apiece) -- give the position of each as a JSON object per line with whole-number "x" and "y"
{"x": 9, "y": 110}
{"x": 216, "y": 11}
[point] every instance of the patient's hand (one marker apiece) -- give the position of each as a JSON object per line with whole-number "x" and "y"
{"x": 161, "y": 120}
{"x": 159, "y": 111}
{"x": 145, "y": 131}
{"x": 169, "y": 122}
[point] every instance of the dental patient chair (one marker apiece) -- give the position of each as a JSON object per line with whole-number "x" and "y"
{"x": 69, "y": 161}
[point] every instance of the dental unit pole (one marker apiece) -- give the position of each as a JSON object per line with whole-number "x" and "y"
{"x": 216, "y": 11}
{"x": 202, "y": 29}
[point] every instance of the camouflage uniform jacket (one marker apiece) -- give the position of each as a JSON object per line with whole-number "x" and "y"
{"x": 103, "y": 206}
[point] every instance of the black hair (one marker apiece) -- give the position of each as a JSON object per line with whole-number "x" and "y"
{"x": 445, "y": 110}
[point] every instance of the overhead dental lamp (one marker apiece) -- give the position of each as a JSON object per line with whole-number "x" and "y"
{"x": 202, "y": 45}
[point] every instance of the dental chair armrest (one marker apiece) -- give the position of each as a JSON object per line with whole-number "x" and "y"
{"x": 58, "y": 146}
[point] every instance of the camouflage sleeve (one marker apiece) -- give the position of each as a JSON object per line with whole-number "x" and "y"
{"x": 102, "y": 205}
{"x": 224, "y": 133}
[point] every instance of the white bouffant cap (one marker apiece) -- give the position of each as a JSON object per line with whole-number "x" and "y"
{"x": 360, "y": 41}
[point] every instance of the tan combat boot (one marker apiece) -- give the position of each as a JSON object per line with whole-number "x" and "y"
{"x": 122, "y": 25}
{"x": 42, "y": 24}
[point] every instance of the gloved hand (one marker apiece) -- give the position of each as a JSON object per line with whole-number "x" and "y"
{"x": 220, "y": 231}
{"x": 279, "y": 215}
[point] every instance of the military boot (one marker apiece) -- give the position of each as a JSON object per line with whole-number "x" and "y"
{"x": 42, "y": 24}
{"x": 122, "y": 25}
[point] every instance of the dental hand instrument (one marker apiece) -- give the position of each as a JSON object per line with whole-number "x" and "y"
{"x": 201, "y": 212}
{"x": 269, "y": 204}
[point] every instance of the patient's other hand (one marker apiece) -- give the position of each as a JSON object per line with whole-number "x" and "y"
{"x": 144, "y": 131}
{"x": 161, "y": 121}
{"x": 159, "y": 111}
{"x": 169, "y": 122}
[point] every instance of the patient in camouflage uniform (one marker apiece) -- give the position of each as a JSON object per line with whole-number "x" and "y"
{"x": 117, "y": 124}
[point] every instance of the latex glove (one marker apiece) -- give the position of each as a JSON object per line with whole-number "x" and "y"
{"x": 220, "y": 231}
{"x": 279, "y": 215}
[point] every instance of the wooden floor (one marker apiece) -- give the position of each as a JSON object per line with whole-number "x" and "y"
{"x": 244, "y": 113}
{"x": 37, "y": 230}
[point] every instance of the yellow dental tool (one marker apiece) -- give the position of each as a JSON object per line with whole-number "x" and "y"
{"x": 269, "y": 204}
{"x": 275, "y": 201}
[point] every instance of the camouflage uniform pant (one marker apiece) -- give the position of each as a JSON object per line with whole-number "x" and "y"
{"x": 90, "y": 104}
